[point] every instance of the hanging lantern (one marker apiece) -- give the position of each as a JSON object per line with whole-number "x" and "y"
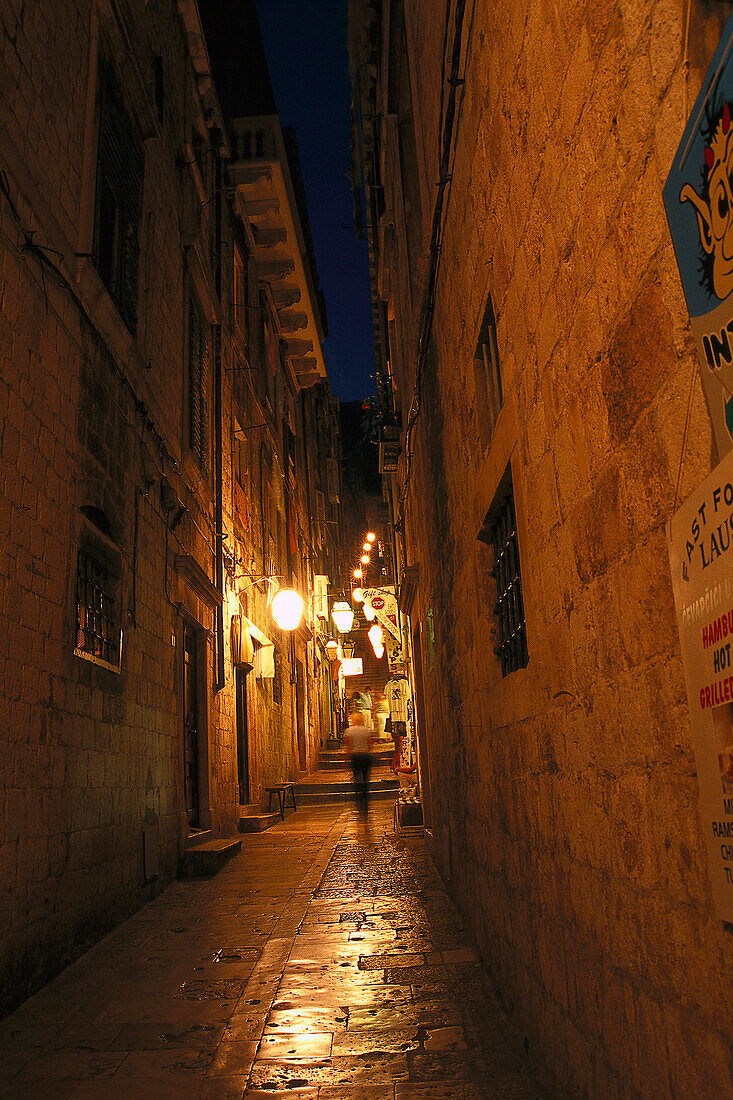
{"x": 369, "y": 612}
{"x": 375, "y": 634}
{"x": 287, "y": 607}
{"x": 343, "y": 615}
{"x": 378, "y": 651}
{"x": 357, "y": 596}
{"x": 332, "y": 648}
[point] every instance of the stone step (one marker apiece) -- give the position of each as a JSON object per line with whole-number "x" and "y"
{"x": 380, "y": 759}
{"x": 253, "y": 819}
{"x": 204, "y": 859}
{"x": 330, "y": 794}
{"x": 340, "y": 788}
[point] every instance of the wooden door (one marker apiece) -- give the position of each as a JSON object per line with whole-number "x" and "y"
{"x": 242, "y": 736}
{"x": 191, "y": 725}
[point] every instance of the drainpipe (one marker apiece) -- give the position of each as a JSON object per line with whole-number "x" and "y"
{"x": 218, "y": 486}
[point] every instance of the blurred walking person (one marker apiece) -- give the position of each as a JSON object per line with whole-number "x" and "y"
{"x": 358, "y": 744}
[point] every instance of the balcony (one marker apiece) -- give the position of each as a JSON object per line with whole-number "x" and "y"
{"x": 389, "y": 448}
{"x": 261, "y": 173}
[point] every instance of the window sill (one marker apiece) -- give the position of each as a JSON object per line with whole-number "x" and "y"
{"x": 117, "y": 669}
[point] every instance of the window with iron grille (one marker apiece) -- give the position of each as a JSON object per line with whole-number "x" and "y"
{"x": 241, "y": 291}
{"x": 500, "y": 532}
{"x": 98, "y": 635}
{"x": 487, "y": 374}
{"x": 277, "y": 681}
{"x": 120, "y": 161}
{"x": 198, "y": 384}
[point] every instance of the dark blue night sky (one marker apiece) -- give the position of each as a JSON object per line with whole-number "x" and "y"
{"x": 306, "y": 52}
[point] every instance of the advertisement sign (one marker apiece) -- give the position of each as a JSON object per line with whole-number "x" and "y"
{"x": 699, "y": 538}
{"x": 384, "y": 604}
{"x": 395, "y": 654}
{"x": 352, "y": 666}
{"x": 698, "y": 199}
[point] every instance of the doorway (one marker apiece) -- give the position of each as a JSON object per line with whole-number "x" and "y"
{"x": 191, "y": 726}
{"x": 418, "y": 718}
{"x": 300, "y": 714}
{"x": 240, "y": 680}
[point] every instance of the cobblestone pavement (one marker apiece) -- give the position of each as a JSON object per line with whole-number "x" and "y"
{"x": 324, "y": 961}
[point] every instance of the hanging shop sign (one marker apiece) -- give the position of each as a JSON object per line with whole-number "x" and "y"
{"x": 700, "y": 544}
{"x": 698, "y": 198}
{"x": 395, "y": 654}
{"x": 352, "y": 666}
{"x": 384, "y": 604}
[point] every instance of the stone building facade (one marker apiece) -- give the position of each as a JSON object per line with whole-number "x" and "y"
{"x": 164, "y": 446}
{"x": 536, "y": 355}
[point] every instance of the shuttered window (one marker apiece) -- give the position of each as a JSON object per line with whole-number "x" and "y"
{"x": 120, "y": 161}
{"x": 198, "y": 384}
{"x": 487, "y": 374}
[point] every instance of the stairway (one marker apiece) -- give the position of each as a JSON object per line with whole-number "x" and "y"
{"x": 333, "y": 783}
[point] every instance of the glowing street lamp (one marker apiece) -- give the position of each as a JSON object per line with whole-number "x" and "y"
{"x": 332, "y": 648}
{"x": 357, "y": 596}
{"x": 369, "y": 612}
{"x": 287, "y": 607}
{"x": 366, "y": 547}
{"x": 343, "y": 615}
{"x": 378, "y": 651}
{"x": 375, "y": 634}
{"x": 358, "y": 573}
{"x": 371, "y": 536}
{"x": 365, "y": 559}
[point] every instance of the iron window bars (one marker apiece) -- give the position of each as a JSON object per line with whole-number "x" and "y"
{"x": 509, "y": 609}
{"x": 98, "y": 636}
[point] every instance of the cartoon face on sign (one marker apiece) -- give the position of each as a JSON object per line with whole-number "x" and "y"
{"x": 714, "y": 206}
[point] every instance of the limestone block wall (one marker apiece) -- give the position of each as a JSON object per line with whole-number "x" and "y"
{"x": 91, "y": 758}
{"x": 94, "y": 449}
{"x": 564, "y": 794}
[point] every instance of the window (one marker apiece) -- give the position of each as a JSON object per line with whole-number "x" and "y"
{"x": 487, "y": 374}
{"x": 98, "y": 636}
{"x": 277, "y": 681}
{"x": 241, "y": 464}
{"x": 271, "y": 351}
{"x": 198, "y": 384}
{"x": 241, "y": 292}
{"x": 117, "y": 211}
{"x": 500, "y": 531}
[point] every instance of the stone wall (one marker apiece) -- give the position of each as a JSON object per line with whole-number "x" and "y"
{"x": 93, "y": 420}
{"x": 563, "y": 796}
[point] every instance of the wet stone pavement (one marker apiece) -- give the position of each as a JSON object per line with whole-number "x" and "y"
{"x": 324, "y": 961}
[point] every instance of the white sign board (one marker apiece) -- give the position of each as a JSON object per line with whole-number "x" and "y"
{"x": 700, "y": 544}
{"x": 384, "y": 604}
{"x": 352, "y": 666}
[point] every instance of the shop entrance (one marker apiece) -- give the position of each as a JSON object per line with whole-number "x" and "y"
{"x": 300, "y": 714}
{"x": 418, "y": 720}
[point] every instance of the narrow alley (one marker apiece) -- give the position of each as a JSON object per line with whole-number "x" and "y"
{"x": 325, "y": 960}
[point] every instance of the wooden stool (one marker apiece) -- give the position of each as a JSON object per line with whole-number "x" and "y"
{"x": 281, "y": 790}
